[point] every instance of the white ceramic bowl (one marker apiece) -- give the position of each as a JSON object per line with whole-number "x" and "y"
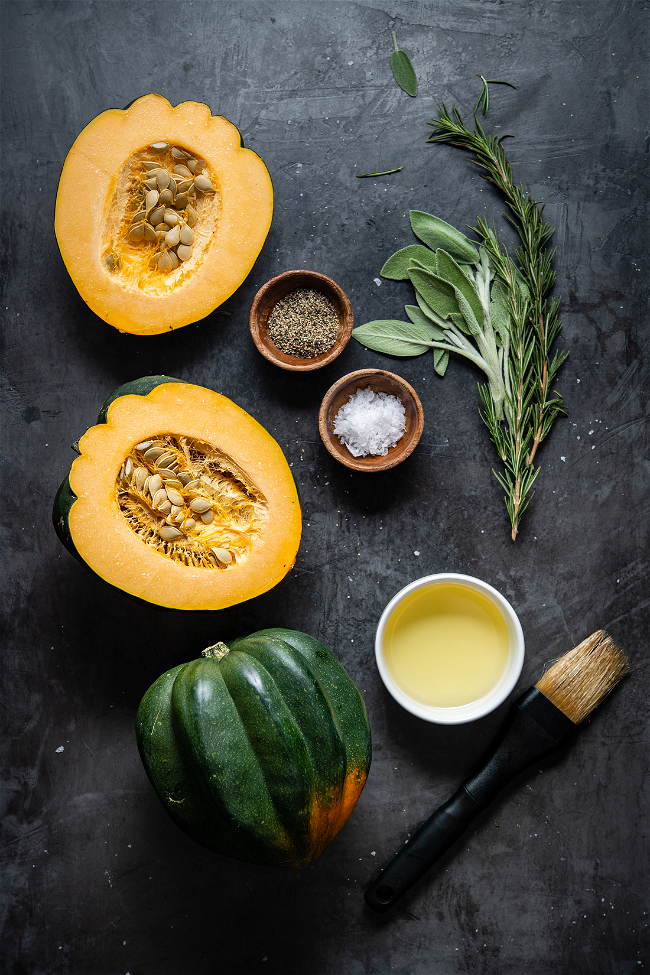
{"x": 489, "y": 701}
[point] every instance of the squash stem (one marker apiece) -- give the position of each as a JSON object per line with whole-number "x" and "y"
{"x": 217, "y": 652}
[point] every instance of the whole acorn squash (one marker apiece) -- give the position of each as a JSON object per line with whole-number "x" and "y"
{"x": 160, "y": 214}
{"x": 180, "y": 498}
{"x": 259, "y": 750}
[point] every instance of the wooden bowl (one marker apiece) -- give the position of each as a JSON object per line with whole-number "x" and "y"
{"x": 380, "y": 382}
{"x": 268, "y": 296}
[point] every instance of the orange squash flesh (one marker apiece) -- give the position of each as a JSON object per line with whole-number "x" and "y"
{"x": 104, "y": 540}
{"x": 92, "y": 216}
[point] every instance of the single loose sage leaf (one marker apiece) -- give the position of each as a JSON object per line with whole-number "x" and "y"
{"x": 396, "y": 267}
{"x": 419, "y": 318}
{"x": 403, "y": 71}
{"x": 437, "y": 293}
{"x": 440, "y": 361}
{"x": 393, "y": 337}
{"x": 451, "y": 272}
{"x": 436, "y": 233}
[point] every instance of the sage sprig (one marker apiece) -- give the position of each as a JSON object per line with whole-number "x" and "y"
{"x": 474, "y": 300}
{"x": 403, "y": 70}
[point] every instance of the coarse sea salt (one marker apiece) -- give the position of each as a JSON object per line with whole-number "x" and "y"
{"x": 370, "y": 423}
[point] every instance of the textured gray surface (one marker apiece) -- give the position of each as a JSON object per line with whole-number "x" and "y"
{"x": 554, "y": 878}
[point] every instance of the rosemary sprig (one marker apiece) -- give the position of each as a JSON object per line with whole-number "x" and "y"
{"x": 532, "y": 407}
{"x": 479, "y": 303}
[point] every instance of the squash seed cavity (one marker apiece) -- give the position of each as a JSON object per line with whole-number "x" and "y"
{"x": 190, "y": 502}
{"x": 163, "y": 213}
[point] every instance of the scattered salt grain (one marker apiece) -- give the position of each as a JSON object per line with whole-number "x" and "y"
{"x": 370, "y": 423}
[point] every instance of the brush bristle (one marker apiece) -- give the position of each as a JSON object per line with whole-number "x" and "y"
{"x": 578, "y": 681}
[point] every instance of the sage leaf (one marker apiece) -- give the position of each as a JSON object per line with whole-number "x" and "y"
{"x": 460, "y": 323}
{"x": 403, "y": 71}
{"x": 396, "y": 267}
{"x": 436, "y": 233}
{"x": 468, "y": 314}
{"x": 393, "y": 337}
{"x": 430, "y": 313}
{"x": 440, "y": 361}
{"x": 419, "y": 318}
{"x": 451, "y": 272}
{"x": 436, "y": 292}
{"x": 499, "y": 314}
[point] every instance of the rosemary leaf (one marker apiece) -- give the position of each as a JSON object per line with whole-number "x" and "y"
{"x": 403, "y": 71}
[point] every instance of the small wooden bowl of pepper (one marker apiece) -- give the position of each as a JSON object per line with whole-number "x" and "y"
{"x": 382, "y": 384}
{"x": 301, "y": 320}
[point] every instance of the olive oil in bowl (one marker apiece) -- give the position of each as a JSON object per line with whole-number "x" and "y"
{"x": 449, "y": 648}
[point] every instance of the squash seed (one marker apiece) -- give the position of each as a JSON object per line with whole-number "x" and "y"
{"x": 169, "y": 533}
{"x": 157, "y": 215}
{"x": 186, "y": 235}
{"x": 207, "y": 517}
{"x": 153, "y": 453}
{"x": 144, "y": 445}
{"x": 184, "y": 252}
{"x": 160, "y": 146}
{"x": 188, "y": 524}
{"x": 192, "y": 164}
{"x": 170, "y": 218}
{"x": 137, "y": 232}
{"x": 181, "y": 201}
{"x": 150, "y": 199}
{"x": 149, "y": 232}
{"x": 179, "y": 153}
{"x": 200, "y": 505}
{"x": 140, "y": 215}
{"x": 159, "y": 497}
{"x": 155, "y": 483}
{"x": 166, "y": 197}
{"x": 151, "y": 184}
{"x": 165, "y": 262}
{"x": 150, "y": 166}
{"x": 173, "y": 237}
{"x": 174, "y": 496}
{"x": 185, "y": 478}
{"x": 140, "y": 477}
{"x": 222, "y": 555}
{"x": 184, "y": 185}
{"x": 203, "y": 183}
{"x": 173, "y": 259}
{"x": 162, "y": 178}
{"x": 165, "y": 507}
{"x": 191, "y": 216}
{"x": 181, "y": 170}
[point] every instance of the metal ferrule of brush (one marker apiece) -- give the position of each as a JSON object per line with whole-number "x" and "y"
{"x": 534, "y": 728}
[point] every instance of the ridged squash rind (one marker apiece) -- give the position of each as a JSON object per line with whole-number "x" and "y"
{"x": 260, "y": 755}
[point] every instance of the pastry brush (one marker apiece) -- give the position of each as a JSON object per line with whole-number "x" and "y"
{"x": 540, "y": 722}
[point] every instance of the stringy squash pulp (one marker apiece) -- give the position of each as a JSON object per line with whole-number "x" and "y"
{"x": 137, "y": 179}
{"x": 180, "y": 498}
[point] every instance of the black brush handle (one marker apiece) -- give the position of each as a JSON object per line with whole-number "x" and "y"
{"x": 534, "y": 728}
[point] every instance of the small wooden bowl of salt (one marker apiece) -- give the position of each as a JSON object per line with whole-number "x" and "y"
{"x": 301, "y": 320}
{"x": 371, "y": 420}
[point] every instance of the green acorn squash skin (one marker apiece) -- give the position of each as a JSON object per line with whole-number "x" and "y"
{"x": 260, "y": 755}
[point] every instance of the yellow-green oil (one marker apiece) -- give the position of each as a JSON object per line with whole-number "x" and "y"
{"x": 446, "y": 645}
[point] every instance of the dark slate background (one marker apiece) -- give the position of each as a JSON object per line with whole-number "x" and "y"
{"x": 96, "y": 880}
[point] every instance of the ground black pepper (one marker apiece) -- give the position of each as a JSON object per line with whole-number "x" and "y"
{"x": 304, "y": 323}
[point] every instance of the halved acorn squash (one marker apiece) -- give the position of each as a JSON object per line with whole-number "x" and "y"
{"x": 138, "y": 178}
{"x": 180, "y": 498}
